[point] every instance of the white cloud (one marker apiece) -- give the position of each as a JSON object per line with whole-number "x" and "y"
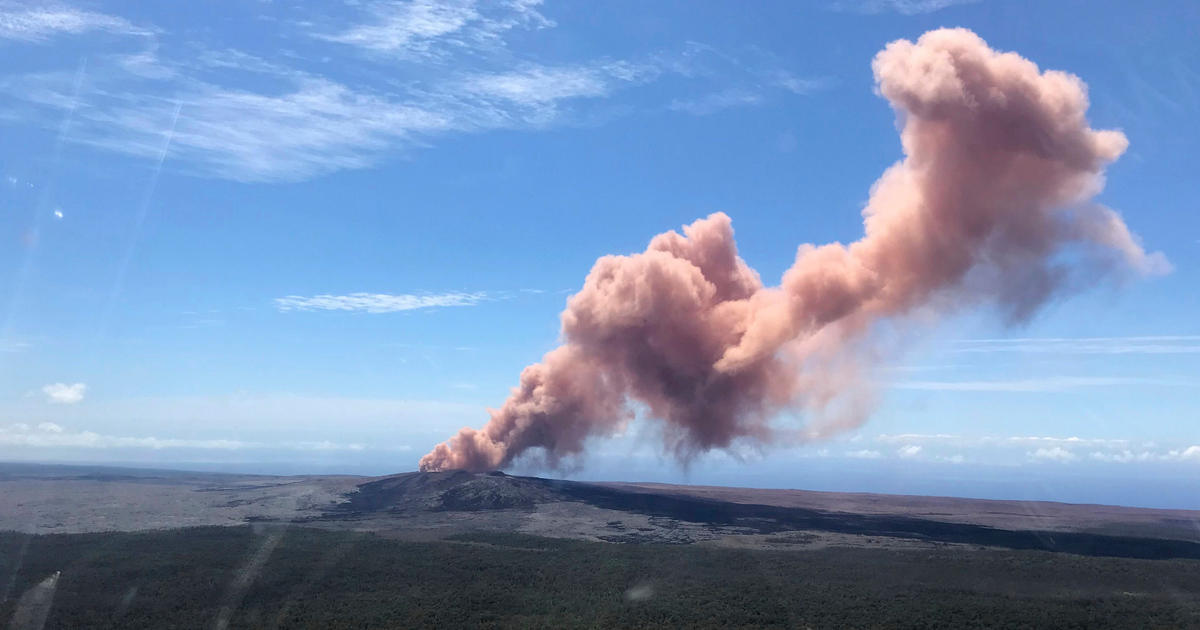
{"x": 712, "y": 103}
{"x": 437, "y": 28}
{"x": 63, "y": 394}
{"x": 377, "y": 302}
{"x": 311, "y": 126}
{"x": 953, "y": 459}
{"x": 297, "y": 124}
{"x": 317, "y": 126}
{"x": 1189, "y": 453}
{"x": 797, "y": 85}
{"x": 242, "y": 61}
{"x": 38, "y": 23}
{"x": 903, "y": 7}
{"x": 1050, "y": 384}
{"x": 538, "y": 85}
{"x": 909, "y": 451}
{"x": 49, "y": 427}
{"x": 408, "y": 26}
{"x": 145, "y": 64}
{"x": 864, "y": 454}
{"x": 1124, "y": 457}
{"x": 1056, "y": 454}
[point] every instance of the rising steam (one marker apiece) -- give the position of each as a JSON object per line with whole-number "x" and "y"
{"x": 991, "y": 205}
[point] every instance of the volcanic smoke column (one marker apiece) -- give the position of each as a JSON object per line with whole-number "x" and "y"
{"x": 990, "y": 206}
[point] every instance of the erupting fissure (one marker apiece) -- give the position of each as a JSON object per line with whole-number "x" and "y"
{"x": 991, "y": 205}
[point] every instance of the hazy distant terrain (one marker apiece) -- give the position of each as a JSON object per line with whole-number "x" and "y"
{"x": 418, "y": 506}
{"x": 73, "y": 499}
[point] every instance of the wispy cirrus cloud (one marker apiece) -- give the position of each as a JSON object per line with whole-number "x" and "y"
{"x": 295, "y": 119}
{"x": 314, "y": 126}
{"x": 799, "y": 85}
{"x": 1053, "y": 384}
{"x": 40, "y": 21}
{"x": 748, "y": 93}
{"x": 436, "y": 28}
{"x": 12, "y": 344}
{"x": 712, "y": 103}
{"x": 407, "y": 26}
{"x": 378, "y": 302}
{"x": 903, "y": 7}
{"x": 1164, "y": 344}
{"x": 537, "y": 85}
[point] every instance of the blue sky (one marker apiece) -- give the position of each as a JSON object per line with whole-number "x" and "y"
{"x": 325, "y": 235}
